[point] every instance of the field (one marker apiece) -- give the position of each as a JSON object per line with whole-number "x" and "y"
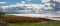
{"x": 28, "y": 21}
{"x": 34, "y": 24}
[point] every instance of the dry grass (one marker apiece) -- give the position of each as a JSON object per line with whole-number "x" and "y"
{"x": 20, "y": 19}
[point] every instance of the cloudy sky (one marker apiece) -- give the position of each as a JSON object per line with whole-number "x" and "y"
{"x": 45, "y": 7}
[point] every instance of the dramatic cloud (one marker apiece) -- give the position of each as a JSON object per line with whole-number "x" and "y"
{"x": 31, "y": 7}
{"x": 50, "y": 7}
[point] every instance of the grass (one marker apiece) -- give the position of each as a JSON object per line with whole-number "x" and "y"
{"x": 34, "y": 24}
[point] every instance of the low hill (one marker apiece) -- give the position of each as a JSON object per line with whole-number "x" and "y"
{"x": 20, "y": 19}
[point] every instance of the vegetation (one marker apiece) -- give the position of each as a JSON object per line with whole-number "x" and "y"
{"x": 34, "y": 24}
{"x": 23, "y": 19}
{"x": 28, "y": 21}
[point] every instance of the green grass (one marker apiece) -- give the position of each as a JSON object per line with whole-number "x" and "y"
{"x": 34, "y": 24}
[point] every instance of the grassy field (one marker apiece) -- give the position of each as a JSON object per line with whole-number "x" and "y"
{"x": 56, "y": 23}
{"x": 34, "y": 24}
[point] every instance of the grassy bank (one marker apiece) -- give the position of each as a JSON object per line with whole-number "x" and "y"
{"x": 34, "y": 24}
{"x": 56, "y": 23}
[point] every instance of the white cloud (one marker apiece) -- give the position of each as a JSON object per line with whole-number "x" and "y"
{"x": 45, "y": 1}
{"x": 23, "y": 2}
{"x": 2, "y": 2}
{"x": 24, "y": 11}
{"x": 57, "y": 0}
{"x": 35, "y": 7}
{"x": 31, "y": 6}
{"x": 4, "y": 7}
{"x": 48, "y": 6}
{"x": 58, "y": 12}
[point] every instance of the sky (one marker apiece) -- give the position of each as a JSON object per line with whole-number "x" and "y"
{"x": 9, "y": 2}
{"x": 45, "y": 7}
